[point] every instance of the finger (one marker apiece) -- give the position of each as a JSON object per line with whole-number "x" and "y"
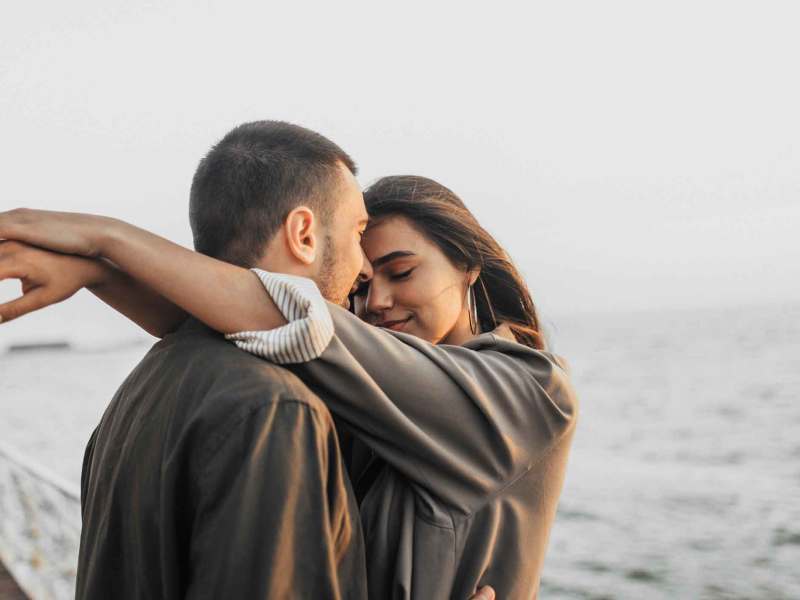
{"x": 11, "y": 268}
{"x": 8, "y": 219}
{"x": 8, "y": 247}
{"x": 34, "y": 300}
{"x": 20, "y": 225}
{"x": 485, "y": 593}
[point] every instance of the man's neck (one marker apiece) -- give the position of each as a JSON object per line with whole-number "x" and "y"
{"x": 274, "y": 262}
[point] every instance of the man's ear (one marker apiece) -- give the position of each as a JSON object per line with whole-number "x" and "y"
{"x": 301, "y": 234}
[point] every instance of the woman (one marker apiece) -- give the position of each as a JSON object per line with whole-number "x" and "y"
{"x": 461, "y": 420}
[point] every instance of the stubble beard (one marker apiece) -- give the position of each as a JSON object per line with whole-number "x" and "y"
{"x": 330, "y": 282}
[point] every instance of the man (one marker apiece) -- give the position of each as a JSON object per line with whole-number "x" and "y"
{"x": 214, "y": 473}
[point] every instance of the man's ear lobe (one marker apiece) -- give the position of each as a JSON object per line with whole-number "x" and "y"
{"x": 301, "y": 234}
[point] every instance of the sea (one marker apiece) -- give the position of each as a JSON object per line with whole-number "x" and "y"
{"x": 684, "y": 475}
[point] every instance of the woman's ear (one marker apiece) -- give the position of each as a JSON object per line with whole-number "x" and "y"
{"x": 301, "y": 234}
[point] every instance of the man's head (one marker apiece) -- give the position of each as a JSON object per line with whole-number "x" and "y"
{"x": 281, "y": 197}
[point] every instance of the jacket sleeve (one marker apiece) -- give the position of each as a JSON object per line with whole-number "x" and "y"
{"x": 462, "y": 422}
{"x": 271, "y": 518}
{"x": 309, "y": 328}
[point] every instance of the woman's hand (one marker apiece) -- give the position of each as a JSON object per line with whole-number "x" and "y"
{"x": 46, "y": 277}
{"x": 70, "y": 233}
{"x": 225, "y": 297}
{"x": 49, "y": 277}
{"x": 485, "y": 593}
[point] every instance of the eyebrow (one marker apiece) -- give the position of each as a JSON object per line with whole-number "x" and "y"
{"x": 379, "y": 262}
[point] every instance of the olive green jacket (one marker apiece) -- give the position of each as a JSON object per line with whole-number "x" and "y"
{"x": 458, "y": 458}
{"x": 215, "y": 474}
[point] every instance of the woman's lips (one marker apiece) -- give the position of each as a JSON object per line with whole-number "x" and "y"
{"x": 394, "y": 325}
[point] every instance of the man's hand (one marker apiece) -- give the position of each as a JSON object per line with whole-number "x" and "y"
{"x": 485, "y": 593}
{"x": 46, "y": 277}
{"x": 70, "y": 233}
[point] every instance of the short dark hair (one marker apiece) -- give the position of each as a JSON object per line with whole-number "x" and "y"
{"x": 247, "y": 184}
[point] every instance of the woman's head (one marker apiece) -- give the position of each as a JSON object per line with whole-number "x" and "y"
{"x": 436, "y": 273}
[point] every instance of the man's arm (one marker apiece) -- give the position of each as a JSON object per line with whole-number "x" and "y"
{"x": 272, "y": 518}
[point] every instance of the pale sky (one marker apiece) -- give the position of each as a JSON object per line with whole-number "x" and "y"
{"x": 629, "y": 155}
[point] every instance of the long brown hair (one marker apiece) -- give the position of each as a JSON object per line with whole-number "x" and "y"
{"x": 501, "y": 295}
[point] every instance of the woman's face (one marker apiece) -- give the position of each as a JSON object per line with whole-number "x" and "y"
{"x": 414, "y": 287}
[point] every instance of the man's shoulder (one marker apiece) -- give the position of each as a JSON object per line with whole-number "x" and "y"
{"x": 209, "y": 377}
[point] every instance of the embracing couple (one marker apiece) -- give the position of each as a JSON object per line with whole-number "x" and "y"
{"x": 352, "y": 396}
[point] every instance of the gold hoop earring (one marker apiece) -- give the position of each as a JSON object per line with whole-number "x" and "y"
{"x": 472, "y": 310}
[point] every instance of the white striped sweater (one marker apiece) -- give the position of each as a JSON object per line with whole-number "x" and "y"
{"x": 309, "y": 329}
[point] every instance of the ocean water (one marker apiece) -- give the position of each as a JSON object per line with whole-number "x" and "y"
{"x": 684, "y": 477}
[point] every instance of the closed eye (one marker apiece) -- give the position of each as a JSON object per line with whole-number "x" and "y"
{"x": 402, "y": 275}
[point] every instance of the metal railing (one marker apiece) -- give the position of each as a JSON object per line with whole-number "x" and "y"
{"x": 40, "y": 524}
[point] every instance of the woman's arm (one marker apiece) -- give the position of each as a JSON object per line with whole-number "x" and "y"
{"x": 49, "y": 277}
{"x": 148, "y": 309}
{"x": 225, "y": 297}
{"x": 460, "y": 422}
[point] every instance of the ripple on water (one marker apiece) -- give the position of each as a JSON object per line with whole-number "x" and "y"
{"x": 768, "y": 393}
{"x": 705, "y": 545}
{"x": 785, "y": 537}
{"x": 761, "y": 561}
{"x": 644, "y": 575}
{"x": 713, "y": 591}
{"x": 576, "y": 515}
{"x": 549, "y": 590}
{"x": 716, "y": 505}
{"x": 729, "y": 412}
{"x": 593, "y": 566}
